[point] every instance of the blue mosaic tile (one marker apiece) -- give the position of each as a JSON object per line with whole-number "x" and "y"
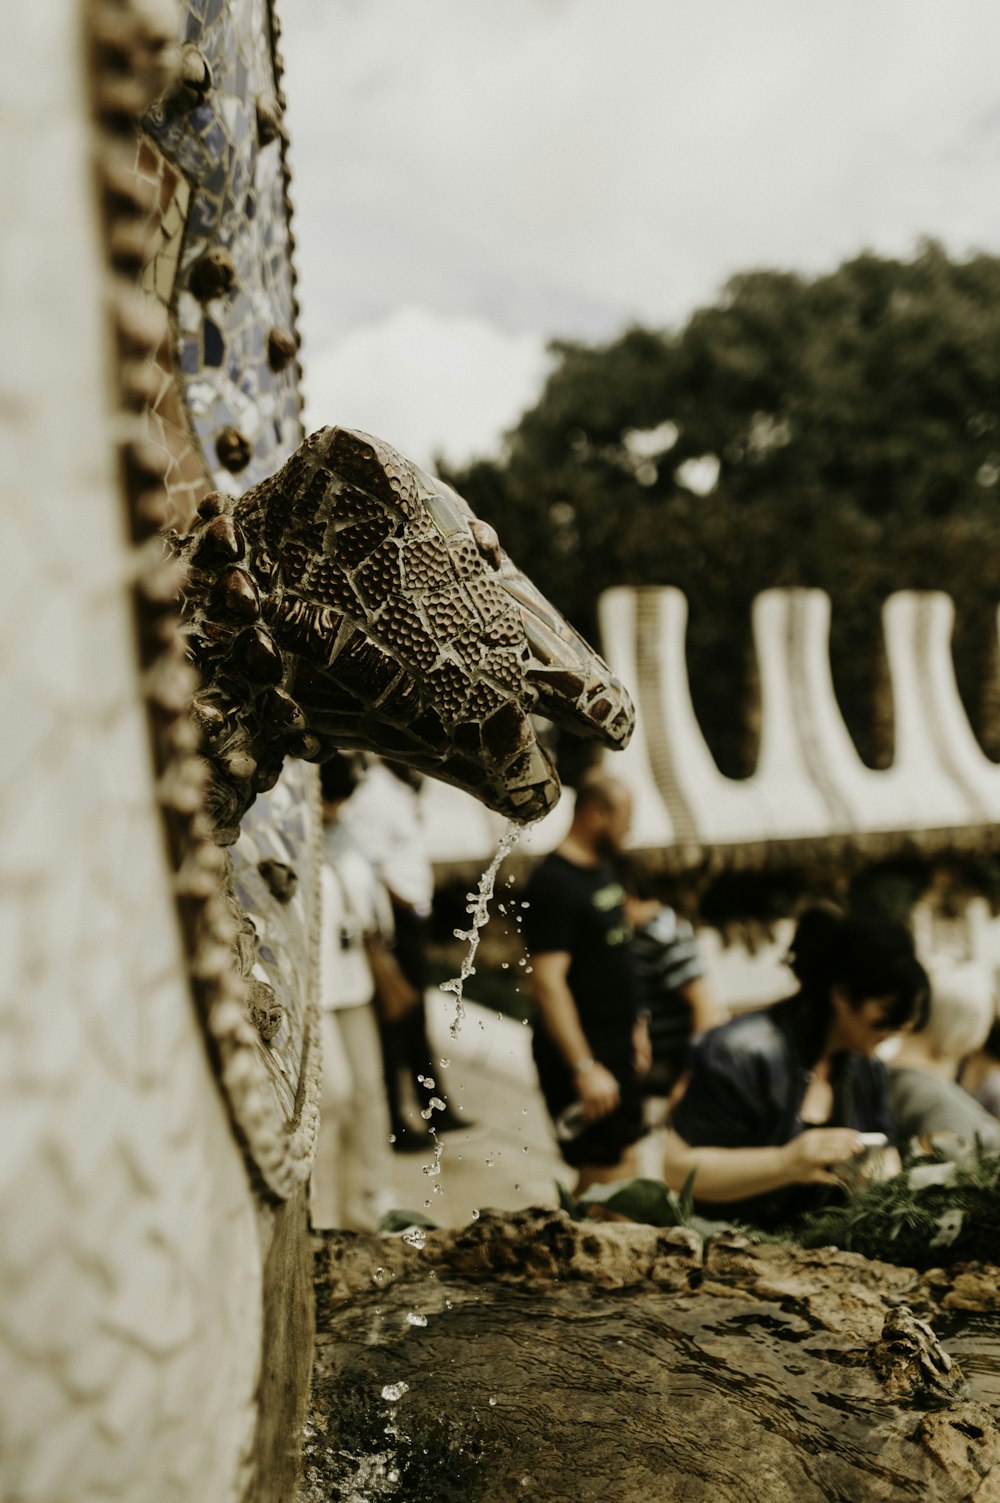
{"x": 237, "y": 202}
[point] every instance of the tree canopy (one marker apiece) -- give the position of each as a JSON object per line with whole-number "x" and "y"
{"x": 841, "y": 432}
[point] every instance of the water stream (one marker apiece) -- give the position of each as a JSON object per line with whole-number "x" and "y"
{"x": 479, "y": 910}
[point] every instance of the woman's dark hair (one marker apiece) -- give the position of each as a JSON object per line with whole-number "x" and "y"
{"x": 338, "y": 777}
{"x": 867, "y": 956}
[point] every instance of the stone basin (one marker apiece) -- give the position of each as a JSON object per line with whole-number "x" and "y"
{"x": 531, "y": 1356}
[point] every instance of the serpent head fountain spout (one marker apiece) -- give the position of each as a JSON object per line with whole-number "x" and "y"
{"x": 352, "y": 601}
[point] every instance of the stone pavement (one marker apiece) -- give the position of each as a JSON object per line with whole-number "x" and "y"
{"x": 508, "y": 1159}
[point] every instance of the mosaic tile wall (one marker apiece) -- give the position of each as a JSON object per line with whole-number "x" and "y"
{"x": 224, "y": 261}
{"x": 225, "y": 409}
{"x": 283, "y": 829}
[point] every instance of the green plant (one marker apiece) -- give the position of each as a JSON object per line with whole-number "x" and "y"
{"x": 934, "y": 1212}
{"x": 648, "y": 1202}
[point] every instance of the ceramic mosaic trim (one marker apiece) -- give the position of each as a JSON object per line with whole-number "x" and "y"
{"x": 233, "y": 306}
{"x": 271, "y": 1083}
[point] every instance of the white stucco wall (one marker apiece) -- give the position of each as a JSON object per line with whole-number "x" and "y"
{"x": 129, "y": 1252}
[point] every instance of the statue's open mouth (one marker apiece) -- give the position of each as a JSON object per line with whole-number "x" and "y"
{"x": 352, "y": 601}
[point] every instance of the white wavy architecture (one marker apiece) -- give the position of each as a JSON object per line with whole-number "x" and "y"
{"x": 809, "y": 782}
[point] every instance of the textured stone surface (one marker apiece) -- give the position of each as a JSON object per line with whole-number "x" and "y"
{"x": 529, "y": 1356}
{"x": 530, "y": 1246}
{"x": 130, "y": 1328}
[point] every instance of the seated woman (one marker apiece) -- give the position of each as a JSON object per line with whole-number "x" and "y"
{"x": 778, "y": 1098}
{"x": 927, "y": 1101}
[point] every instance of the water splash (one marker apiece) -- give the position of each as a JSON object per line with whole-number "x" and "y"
{"x": 478, "y": 909}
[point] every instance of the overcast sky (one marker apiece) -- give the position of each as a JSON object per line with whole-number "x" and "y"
{"x": 475, "y": 177}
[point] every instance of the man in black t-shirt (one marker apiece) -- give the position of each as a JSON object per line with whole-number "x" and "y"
{"x": 589, "y": 1047}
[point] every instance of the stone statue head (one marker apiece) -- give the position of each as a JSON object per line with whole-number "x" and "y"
{"x": 352, "y": 601}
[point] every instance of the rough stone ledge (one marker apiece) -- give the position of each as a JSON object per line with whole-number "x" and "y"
{"x": 841, "y": 1292}
{"x": 966, "y": 1286}
{"x": 833, "y": 1290}
{"x": 535, "y": 1245}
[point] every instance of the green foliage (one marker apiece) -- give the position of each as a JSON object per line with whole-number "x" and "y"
{"x": 855, "y": 422}
{"x": 930, "y": 1215}
{"x": 393, "y": 1222}
{"x": 646, "y": 1201}
{"x": 935, "y": 1213}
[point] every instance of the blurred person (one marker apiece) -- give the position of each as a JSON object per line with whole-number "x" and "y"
{"x": 927, "y": 1101}
{"x": 589, "y": 1047}
{"x": 385, "y": 817}
{"x": 778, "y": 1099}
{"x": 981, "y": 1072}
{"x": 674, "y": 993}
{"x": 352, "y": 1174}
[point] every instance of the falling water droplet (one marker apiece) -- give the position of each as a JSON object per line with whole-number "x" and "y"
{"x": 394, "y": 1391}
{"x": 493, "y": 1402}
{"x": 415, "y": 1236}
{"x": 413, "y": 1319}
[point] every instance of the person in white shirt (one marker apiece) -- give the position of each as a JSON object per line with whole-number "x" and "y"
{"x": 385, "y": 817}
{"x": 352, "y": 1174}
{"x": 927, "y": 1100}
